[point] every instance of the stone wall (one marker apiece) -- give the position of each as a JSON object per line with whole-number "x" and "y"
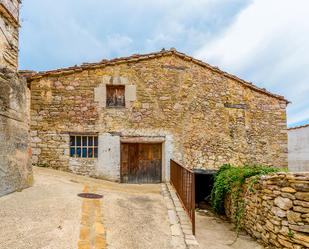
{"x": 210, "y": 119}
{"x": 277, "y": 210}
{"x": 15, "y": 151}
{"x": 9, "y": 24}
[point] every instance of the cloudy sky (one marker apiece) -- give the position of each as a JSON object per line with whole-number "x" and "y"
{"x": 262, "y": 41}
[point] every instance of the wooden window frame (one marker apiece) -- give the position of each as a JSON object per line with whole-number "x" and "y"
{"x": 88, "y": 147}
{"x": 112, "y": 87}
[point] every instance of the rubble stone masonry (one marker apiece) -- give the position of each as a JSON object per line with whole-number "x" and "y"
{"x": 9, "y": 25}
{"x": 15, "y": 151}
{"x": 277, "y": 210}
{"x": 212, "y": 119}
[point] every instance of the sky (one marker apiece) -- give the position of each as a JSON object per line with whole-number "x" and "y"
{"x": 263, "y": 41}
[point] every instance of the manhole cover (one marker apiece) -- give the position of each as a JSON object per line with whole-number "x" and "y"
{"x": 90, "y": 195}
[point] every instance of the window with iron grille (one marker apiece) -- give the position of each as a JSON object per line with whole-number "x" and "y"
{"x": 115, "y": 96}
{"x": 84, "y": 146}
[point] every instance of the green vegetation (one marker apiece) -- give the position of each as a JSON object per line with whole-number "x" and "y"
{"x": 290, "y": 234}
{"x": 229, "y": 180}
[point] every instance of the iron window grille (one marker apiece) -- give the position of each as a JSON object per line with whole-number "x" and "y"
{"x": 83, "y": 146}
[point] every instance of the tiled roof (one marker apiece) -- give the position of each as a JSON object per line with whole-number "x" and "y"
{"x": 298, "y": 127}
{"x": 31, "y": 75}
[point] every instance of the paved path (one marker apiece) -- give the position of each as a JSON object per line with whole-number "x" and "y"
{"x": 49, "y": 215}
{"x": 46, "y": 215}
{"x": 215, "y": 233}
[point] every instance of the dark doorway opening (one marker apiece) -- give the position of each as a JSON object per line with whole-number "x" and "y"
{"x": 204, "y": 180}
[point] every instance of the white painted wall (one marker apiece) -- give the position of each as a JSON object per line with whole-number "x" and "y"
{"x": 298, "y": 149}
{"x": 108, "y": 165}
{"x": 167, "y": 156}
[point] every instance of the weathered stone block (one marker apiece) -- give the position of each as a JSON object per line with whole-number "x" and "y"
{"x": 302, "y": 228}
{"x": 283, "y": 203}
{"x": 278, "y": 212}
{"x": 302, "y": 203}
{"x": 293, "y": 217}
{"x": 15, "y": 151}
{"x": 302, "y": 196}
{"x": 288, "y": 190}
{"x": 301, "y": 209}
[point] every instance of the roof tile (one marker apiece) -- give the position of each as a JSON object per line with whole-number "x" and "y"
{"x": 31, "y": 75}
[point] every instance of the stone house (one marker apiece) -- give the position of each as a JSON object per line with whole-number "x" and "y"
{"x": 15, "y": 151}
{"x": 298, "y": 156}
{"x": 124, "y": 119}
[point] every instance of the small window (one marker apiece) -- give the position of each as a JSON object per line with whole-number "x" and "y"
{"x": 84, "y": 146}
{"x": 115, "y": 96}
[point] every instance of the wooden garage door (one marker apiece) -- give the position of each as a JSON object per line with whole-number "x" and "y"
{"x": 141, "y": 163}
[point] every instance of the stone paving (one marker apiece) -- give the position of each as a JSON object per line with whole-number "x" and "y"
{"x": 180, "y": 224}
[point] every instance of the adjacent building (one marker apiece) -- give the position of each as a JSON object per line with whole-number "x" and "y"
{"x": 15, "y": 151}
{"x": 124, "y": 119}
{"x": 299, "y": 148}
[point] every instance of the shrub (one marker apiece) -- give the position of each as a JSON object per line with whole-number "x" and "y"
{"x": 229, "y": 180}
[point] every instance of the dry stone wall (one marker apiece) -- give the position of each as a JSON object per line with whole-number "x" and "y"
{"x": 15, "y": 151}
{"x": 277, "y": 210}
{"x": 211, "y": 118}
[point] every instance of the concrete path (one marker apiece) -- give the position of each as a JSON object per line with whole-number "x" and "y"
{"x": 215, "y": 233}
{"x": 46, "y": 215}
{"x": 50, "y": 215}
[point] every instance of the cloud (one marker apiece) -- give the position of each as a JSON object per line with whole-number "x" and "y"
{"x": 58, "y": 33}
{"x": 264, "y": 41}
{"x": 268, "y": 43}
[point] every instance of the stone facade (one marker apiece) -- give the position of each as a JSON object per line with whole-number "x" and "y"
{"x": 15, "y": 151}
{"x": 277, "y": 210}
{"x": 298, "y": 148}
{"x": 205, "y": 117}
{"x": 9, "y": 24}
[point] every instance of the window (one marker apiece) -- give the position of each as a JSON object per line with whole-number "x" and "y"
{"x": 115, "y": 96}
{"x": 84, "y": 146}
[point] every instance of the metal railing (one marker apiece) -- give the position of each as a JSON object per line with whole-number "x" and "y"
{"x": 183, "y": 180}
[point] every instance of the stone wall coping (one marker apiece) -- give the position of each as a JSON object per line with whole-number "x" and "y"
{"x": 288, "y": 175}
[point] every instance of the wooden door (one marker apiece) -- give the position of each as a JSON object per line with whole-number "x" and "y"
{"x": 141, "y": 163}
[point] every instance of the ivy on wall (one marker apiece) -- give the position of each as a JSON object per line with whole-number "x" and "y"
{"x": 229, "y": 180}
